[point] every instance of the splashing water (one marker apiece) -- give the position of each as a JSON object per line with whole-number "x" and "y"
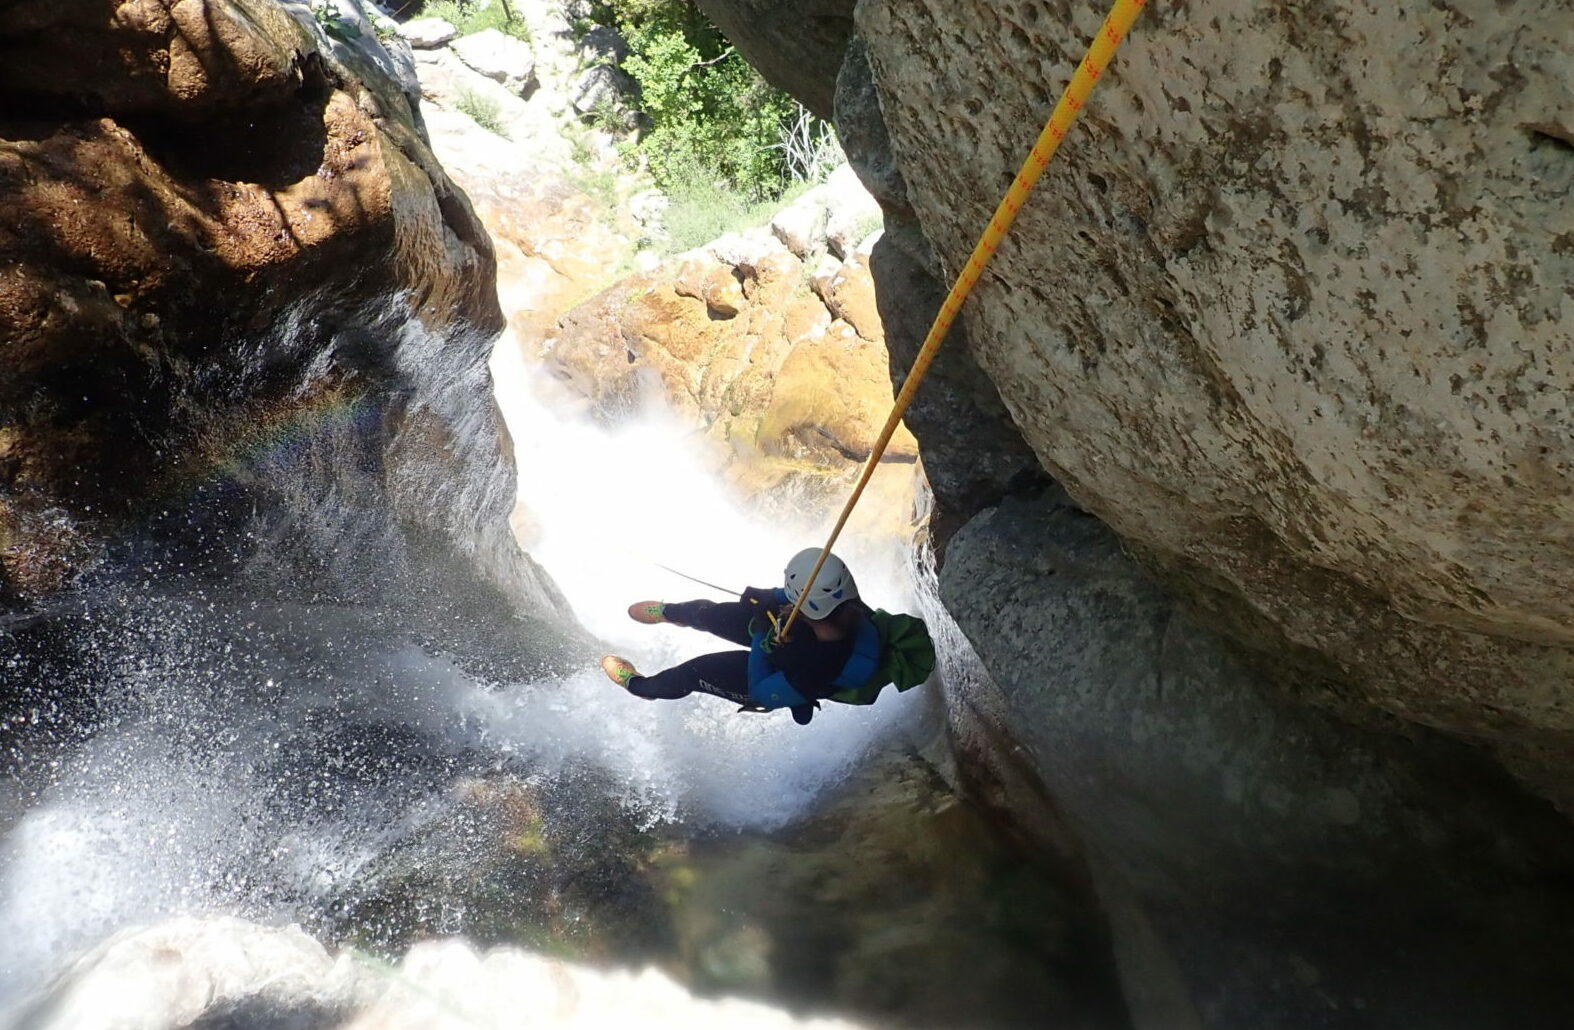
{"x": 258, "y": 759}
{"x": 610, "y": 506}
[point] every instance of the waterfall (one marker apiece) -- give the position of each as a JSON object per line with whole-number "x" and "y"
{"x": 258, "y": 762}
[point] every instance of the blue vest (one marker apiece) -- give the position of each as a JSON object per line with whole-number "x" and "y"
{"x": 770, "y": 688}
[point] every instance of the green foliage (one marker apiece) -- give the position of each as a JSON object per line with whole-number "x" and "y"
{"x": 485, "y": 111}
{"x": 470, "y": 16}
{"x": 700, "y": 212}
{"x": 600, "y": 185}
{"x": 333, "y": 22}
{"x": 714, "y": 122}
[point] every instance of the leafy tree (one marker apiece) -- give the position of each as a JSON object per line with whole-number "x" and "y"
{"x": 714, "y": 122}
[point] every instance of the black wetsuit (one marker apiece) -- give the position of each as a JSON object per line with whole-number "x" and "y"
{"x": 810, "y": 664}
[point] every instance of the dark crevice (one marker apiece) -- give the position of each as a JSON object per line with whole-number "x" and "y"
{"x": 1543, "y": 133}
{"x": 273, "y": 146}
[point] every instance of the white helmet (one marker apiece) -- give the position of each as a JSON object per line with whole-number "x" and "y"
{"x": 831, "y": 587}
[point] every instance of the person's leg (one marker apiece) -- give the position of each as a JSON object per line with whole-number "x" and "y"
{"x": 726, "y": 619}
{"x": 724, "y": 674}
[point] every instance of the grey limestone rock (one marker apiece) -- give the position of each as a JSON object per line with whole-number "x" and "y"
{"x": 603, "y": 45}
{"x": 499, "y": 57}
{"x": 860, "y": 128}
{"x": 1291, "y": 312}
{"x": 1292, "y": 870}
{"x": 427, "y": 33}
{"x": 974, "y": 456}
{"x": 604, "y": 87}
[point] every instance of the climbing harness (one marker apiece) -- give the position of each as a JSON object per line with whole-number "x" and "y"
{"x": 1100, "y": 52}
{"x": 769, "y": 688}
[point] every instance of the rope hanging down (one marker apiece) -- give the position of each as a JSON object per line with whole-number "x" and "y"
{"x": 1099, "y": 54}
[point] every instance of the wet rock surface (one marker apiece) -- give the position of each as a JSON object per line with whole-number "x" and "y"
{"x": 894, "y": 903}
{"x": 1294, "y": 870}
{"x": 241, "y": 292}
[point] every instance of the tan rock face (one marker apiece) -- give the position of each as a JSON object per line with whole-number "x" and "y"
{"x": 1291, "y": 312}
{"x": 196, "y": 203}
{"x": 788, "y": 375}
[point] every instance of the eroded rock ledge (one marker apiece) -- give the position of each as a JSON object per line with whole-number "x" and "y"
{"x": 241, "y": 301}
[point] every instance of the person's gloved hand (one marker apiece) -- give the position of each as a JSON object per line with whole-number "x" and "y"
{"x": 765, "y": 597}
{"x": 801, "y": 714}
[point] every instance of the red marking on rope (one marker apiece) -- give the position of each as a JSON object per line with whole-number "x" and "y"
{"x": 1072, "y": 103}
{"x": 1039, "y": 158}
{"x": 1109, "y": 31}
{"x": 1057, "y": 132}
{"x": 1094, "y": 73}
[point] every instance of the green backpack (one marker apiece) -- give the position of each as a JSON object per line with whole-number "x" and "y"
{"x": 907, "y": 657}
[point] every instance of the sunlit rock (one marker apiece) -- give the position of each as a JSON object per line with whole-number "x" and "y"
{"x": 801, "y": 225}
{"x": 606, "y": 91}
{"x": 783, "y": 369}
{"x": 500, "y": 57}
{"x": 851, "y": 213}
{"x": 427, "y": 33}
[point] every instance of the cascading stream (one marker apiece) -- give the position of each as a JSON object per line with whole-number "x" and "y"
{"x": 271, "y": 762}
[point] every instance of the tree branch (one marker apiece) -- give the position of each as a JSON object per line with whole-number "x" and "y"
{"x": 714, "y": 60}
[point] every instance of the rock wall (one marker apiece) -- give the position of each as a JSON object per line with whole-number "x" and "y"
{"x": 1261, "y": 864}
{"x": 770, "y": 341}
{"x": 1289, "y": 314}
{"x": 245, "y": 315}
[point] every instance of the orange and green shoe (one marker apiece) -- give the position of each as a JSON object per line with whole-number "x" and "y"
{"x": 648, "y": 612}
{"x": 618, "y": 670}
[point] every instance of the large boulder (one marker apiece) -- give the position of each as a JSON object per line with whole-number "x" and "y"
{"x": 500, "y": 57}
{"x": 428, "y": 33}
{"x": 1260, "y": 865}
{"x": 1290, "y": 313}
{"x": 246, "y": 315}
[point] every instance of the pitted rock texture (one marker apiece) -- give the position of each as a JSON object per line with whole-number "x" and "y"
{"x": 1291, "y": 312}
{"x": 244, "y": 313}
{"x": 782, "y": 362}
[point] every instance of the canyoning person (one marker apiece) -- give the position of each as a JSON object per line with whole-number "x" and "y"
{"x": 839, "y": 649}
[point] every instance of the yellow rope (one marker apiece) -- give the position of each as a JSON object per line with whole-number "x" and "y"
{"x": 1100, "y": 51}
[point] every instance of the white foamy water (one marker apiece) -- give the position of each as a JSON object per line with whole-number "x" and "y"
{"x": 230, "y": 973}
{"x": 264, "y": 760}
{"x": 607, "y": 507}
